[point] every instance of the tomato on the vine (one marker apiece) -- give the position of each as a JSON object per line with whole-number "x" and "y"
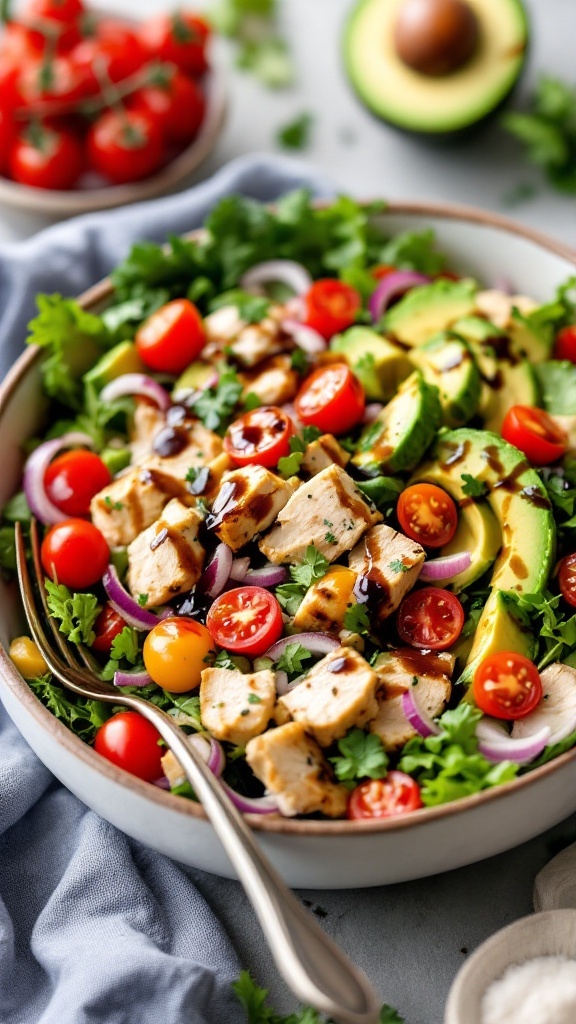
{"x": 179, "y": 39}
{"x": 567, "y": 579}
{"x": 59, "y": 10}
{"x": 535, "y": 433}
{"x": 427, "y": 514}
{"x": 66, "y": 84}
{"x": 107, "y": 627}
{"x": 565, "y": 344}
{"x": 131, "y": 742}
{"x": 247, "y": 620}
{"x": 46, "y": 157}
{"x": 7, "y": 139}
{"x": 125, "y": 146}
{"x": 178, "y": 106}
{"x": 72, "y": 480}
{"x": 507, "y": 685}
{"x": 172, "y": 337}
{"x": 430, "y": 618}
{"x": 330, "y": 306}
{"x": 116, "y": 47}
{"x": 332, "y": 399}
{"x": 53, "y": 23}
{"x": 75, "y": 553}
{"x": 175, "y": 653}
{"x": 259, "y": 437}
{"x": 396, "y": 794}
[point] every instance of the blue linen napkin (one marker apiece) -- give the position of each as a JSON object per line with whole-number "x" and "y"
{"x": 94, "y": 927}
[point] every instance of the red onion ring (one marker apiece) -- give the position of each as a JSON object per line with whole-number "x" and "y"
{"x": 189, "y": 395}
{"x": 267, "y": 576}
{"x": 240, "y": 567}
{"x": 496, "y": 744}
{"x": 282, "y": 683}
{"x": 372, "y": 412}
{"x": 136, "y": 384}
{"x": 162, "y": 782}
{"x": 306, "y": 338}
{"x": 418, "y": 718}
{"x": 35, "y": 471}
{"x": 210, "y": 751}
{"x": 252, "y": 805}
{"x": 316, "y": 643}
{"x": 132, "y": 679}
{"x": 446, "y": 567}
{"x": 217, "y": 572}
{"x": 287, "y": 272}
{"x": 125, "y": 605}
{"x": 393, "y": 286}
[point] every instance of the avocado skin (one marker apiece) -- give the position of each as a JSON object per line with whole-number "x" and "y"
{"x": 398, "y": 438}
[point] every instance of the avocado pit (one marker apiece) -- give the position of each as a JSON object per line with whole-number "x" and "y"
{"x": 436, "y": 37}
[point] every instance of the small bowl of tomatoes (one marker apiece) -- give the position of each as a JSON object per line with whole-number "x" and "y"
{"x": 96, "y": 111}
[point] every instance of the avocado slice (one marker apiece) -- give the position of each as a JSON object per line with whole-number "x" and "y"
{"x": 194, "y": 376}
{"x": 426, "y": 103}
{"x": 428, "y": 309}
{"x": 121, "y": 359}
{"x": 515, "y": 385}
{"x": 447, "y": 362}
{"x": 379, "y": 365}
{"x": 479, "y": 533}
{"x": 527, "y": 340}
{"x": 502, "y": 627}
{"x": 405, "y": 428}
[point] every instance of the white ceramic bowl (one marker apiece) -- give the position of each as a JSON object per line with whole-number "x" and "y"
{"x": 318, "y": 854}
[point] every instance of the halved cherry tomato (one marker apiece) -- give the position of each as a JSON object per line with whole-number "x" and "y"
{"x": 7, "y": 139}
{"x": 172, "y": 338}
{"x": 397, "y": 794}
{"x": 260, "y": 437}
{"x": 75, "y": 553}
{"x": 125, "y": 146}
{"x": 565, "y": 344}
{"x": 567, "y": 579}
{"x": 427, "y": 514}
{"x": 507, "y": 685}
{"x": 131, "y": 743}
{"x": 179, "y": 39}
{"x": 47, "y": 158}
{"x": 535, "y": 433}
{"x": 332, "y": 399}
{"x": 175, "y": 653}
{"x": 72, "y": 480}
{"x": 107, "y": 627}
{"x": 330, "y": 306}
{"x": 430, "y": 618}
{"x": 247, "y": 620}
{"x": 178, "y": 106}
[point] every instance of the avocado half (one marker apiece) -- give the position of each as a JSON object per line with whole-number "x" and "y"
{"x": 434, "y": 105}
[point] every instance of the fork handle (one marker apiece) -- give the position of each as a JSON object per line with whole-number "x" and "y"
{"x": 313, "y": 966}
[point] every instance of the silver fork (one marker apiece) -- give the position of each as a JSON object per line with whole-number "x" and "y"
{"x": 316, "y": 970}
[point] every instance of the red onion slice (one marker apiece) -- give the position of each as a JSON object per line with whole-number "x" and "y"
{"x": 35, "y": 471}
{"x": 136, "y": 384}
{"x": 125, "y": 605}
{"x": 210, "y": 751}
{"x": 132, "y": 679}
{"x": 162, "y": 782}
{"x": 393, "y": 286}
{"x": 496, "y": 744}
{"x": 252, "y": 805}
{"x": 282, "y": 683}
{"x": 217, "y": 572}
{"x": 418, "y": 718}
{"x": 316, "y": 643}
{"x": 287, "y": 272}
{"x": 306, "y": 338}
{"x": 239, "y": 569}
{"x": 267, "y": 576}
{"x": 446, "y": 567}
{"x": 372, "y": 412}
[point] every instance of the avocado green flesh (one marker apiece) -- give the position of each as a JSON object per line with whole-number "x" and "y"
{"x": 428, "y": 309}
{"x": 194, "y": 376}
{"x": 479, "y": 533}
{"x": 379, "y": 365}
{"x": 502, "y": 627}
{"x": 448, "y": 363}
{"x": 121, "y": 359}
{"x": 399, "y": 437}
{"x": 517, "y": 385}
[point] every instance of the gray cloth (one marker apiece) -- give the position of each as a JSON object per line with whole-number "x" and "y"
{"x": 94, "y": 927}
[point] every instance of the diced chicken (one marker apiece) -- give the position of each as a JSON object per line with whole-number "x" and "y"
{"x": 557, "y": 709}
{"x": 256, "y": 342}
{"x": 326, "y": 602}
{"x": 247, "y": 503}
{"x": 180, "y": 448}
{"x": 338, "y": 693}
{"x": 236, "y": 707}
{"x": 223, "y": 325}
{"x": 167, "y": 558}
{"x": 391, "y": 562}
{"x": 568, "y": 425}
{"x": 148, "y": 420}
{"x": 328, "y": 511}
{"x": 397, "y": 672}
{"x": 291, "y": 765}
{"x": 129, "y": 504}
{"x": 172, "y": 769}
{"x": 274, "y": 382}
{"x": 497, "y": 306}
{"x": 322, "y": 453}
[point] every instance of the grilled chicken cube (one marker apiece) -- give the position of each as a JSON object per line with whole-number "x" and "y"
{"x": 248, "y": 501}
{"x": 274, "y": 381}
{"x": 148, "y": 420}
{"x": 390, "y": 561}
{"x": 223, "y": 325}
{"x": 128, "y": 505}
{"x": 167, "y": 558}
{"x": 257, "y": 342}
{"x": 326, "y": 602}
{"x": 322, "y": 453}
{"x": 497, "y": 306}
{"x": 236, "y": 707}
{"x": 179, "y": 448}
{"x": 327, "y": 511}
{"x": 291, "y": 765}
{"x": 401, "y": 670}
{"x": 338, "y": 693}
{"x": 558, "y": 704}
{"x": 172, "y": 769}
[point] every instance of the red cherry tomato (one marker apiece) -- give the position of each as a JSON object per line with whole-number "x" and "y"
{"x": 172, "y": 338}
{"x": 384, "y": 798}
{"x": 179, "y": 39}
{"x": 131, "y": 743}
{"x": 57, "y": 22}
{"x": 567, "y": 579}
{"x": 75, "y": 553}
{"x": 382, "y": 270}
{"x": 430, "y": 618}
{"x": 46, "y": 157}
{"x": 332, "y": 399}
{"x": 125, "y": 146}
{"x": 178, "y": 107}
{"x": 107, "y": 627}
{"x": 116, "y": 46}
{"x": 66, "y": 83}
{"x": 59, "y": 10}
{"x": 331, "y": 306}
{"x": 507, "y": 685}
{"x": 535, "y": 433}
{"x": 247, "y": 621}
{"x": 73, "y": 479}
{"x": 7, "y": 139}
{"x": 565, "y": 344}
{"x": 260, "y": 437}
{"x": 427, "y": 514}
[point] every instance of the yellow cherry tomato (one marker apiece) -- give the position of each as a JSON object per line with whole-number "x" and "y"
{"x": 174, "y": 653}
{"x": 325, "y": 603}
{"x": 27, "y": 658}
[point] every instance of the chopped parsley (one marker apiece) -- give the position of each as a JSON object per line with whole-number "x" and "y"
{"x": 290, "y": 464}
{"x": 197, "y": 479}
{"x": 548, "y": 131}
{"x": 76, "y": 613}
{"x": 126, "y": 645}
{"x": 297, "y": 133}
{"x": 258, "y": 1011}
{"x": 292, "y": 659}
{"x": 361, "y": 756}
{"x": 330, "y": 538}
{"x": 299, "y": 360}
{"x": 312, "y": 569}
{"x": 142, "y": 600}
{"x": 397, "y": 566}
{"x": 356, "y": 619}
{"x": 251, "y": 308}
{"x": 253, "y": 698}
{"x": 472, "y": 487}
{"x": 215, "y": 406}
{"x": 116, "y": 505}
{"x": 554, "y": 629}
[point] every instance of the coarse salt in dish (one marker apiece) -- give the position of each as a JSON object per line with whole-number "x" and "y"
{"x": 539, "y": 991}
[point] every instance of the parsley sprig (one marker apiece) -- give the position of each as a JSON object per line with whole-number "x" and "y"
{"x": 290, "y": 464}
{"x": 292, "y": 659}
{"x": 312, "y": 569}
{"x": 76, "y": 613}
{"x": 548, "y": 131}
{"x": 258, "y": 1011}
{"x": 361, "y": 756}
{"x": 215, "y": 406}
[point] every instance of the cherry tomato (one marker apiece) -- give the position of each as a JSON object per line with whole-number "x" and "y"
{"x": 565, "y": 344}
{"x": 384, "y": 798}
{"x": 179, "y": 39}
{"x": 116, "y": 46}
{"x": 131, "y": 743}
{"x": 507, "y": 685}
{"x": 75, "y": 553}
{"x": 66, "y": 83}
{"x": 9, "y": 89}
{"x": 172, "y": 338}
{"x": 175, "y": 653}
{"x": 427, "y": 514}
{"x": 331, "y": 306}
{"x": 178, "y": 107}
{"x": 382, "y": 270}
{"x": 430, "y": 618}
{"x": 567, "y": 579}
{"x": 260, "y": 437}
{"x": 72, "y": 480}
{"x": 59, "y": 10}
{"x": 107, "y": 627}
{"x": 247, "y": 621}
{"x": 57, "y": 22}
{"x": 7, "y": 139}
{"x": 125, "y": 146}
{"x": 46, "y": 157}
{"x": 535, "y": 433}
{"x": 332, "y": 399}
